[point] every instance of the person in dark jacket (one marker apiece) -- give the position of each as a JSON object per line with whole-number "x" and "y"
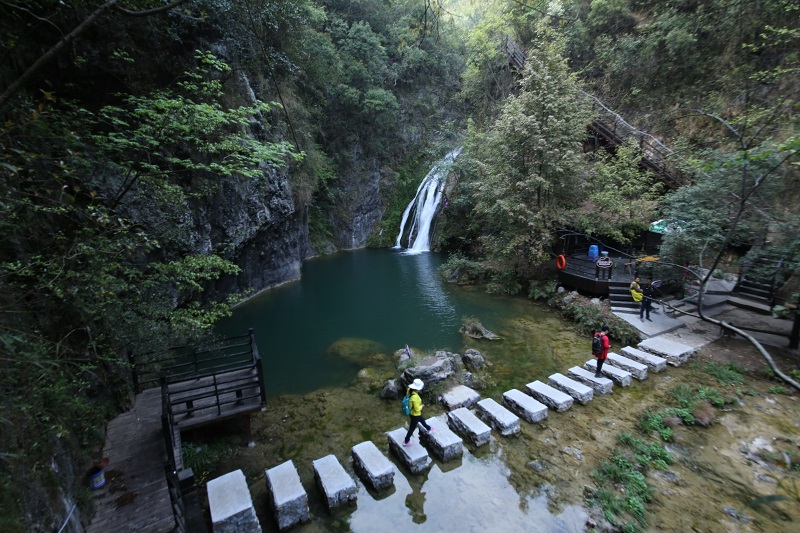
{"x": 647, "y": 300}
{"x": 415, "y": 408}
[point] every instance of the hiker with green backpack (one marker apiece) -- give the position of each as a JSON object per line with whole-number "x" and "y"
{"x": 414, "y": 410}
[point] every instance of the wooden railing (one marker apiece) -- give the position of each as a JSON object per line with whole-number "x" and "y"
{"x": 611, "y": 126}
{"x": 183, "y": 361}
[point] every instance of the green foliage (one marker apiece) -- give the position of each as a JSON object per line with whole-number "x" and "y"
{"x": 542, "y": 290}
{"x": 97, "y": 256}
{"x": 204, "y": 458}
{"x": 459, "y": 269}
{"x": 588, "y": 318}
{"x": 622, "y": 198}
{"x": 724, "y": 373}
{"x": 527, "y": 166}
{"x": 654, "y": 421}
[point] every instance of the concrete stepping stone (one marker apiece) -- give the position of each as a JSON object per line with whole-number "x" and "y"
{"x": 525, "y": 406}
{"x": 576, "y": 389}
{"x": 334, "y": 482}
{"x": 463, "y": 421}
{"x": 231, "y": 504}
{"x": 553, "y": 398}
{"x": 460, "y": 396}
{"x": 288, "y": 498}
{"x": 599, "y": 385}
{"x": 675, "y": 353}
{"x": 637, "y": 369}
{"x": 498, "y": 417}
{"x": 415, "y": 457}
{"x": 374, "y": 469}
{"x": 617, "y": 375}
{"x": 653, "y": 362}
{"x": 442, "y": 442}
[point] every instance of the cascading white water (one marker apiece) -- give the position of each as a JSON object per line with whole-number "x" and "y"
{"x": 424, "y": 206}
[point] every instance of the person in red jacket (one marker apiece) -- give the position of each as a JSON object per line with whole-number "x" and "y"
{"x": 605, "y": 345}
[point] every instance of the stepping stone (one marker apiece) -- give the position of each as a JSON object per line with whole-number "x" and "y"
{"x": 553, "y": 398}
{"x": 637, "y": 370}
{"x": 460, "y": 396}
{"x": 336, "y": 484}
{"x": 499, "y": 418}
{"x": 442, "y": 442}
{"x": 287, "y": 496}
{"x": 525, "y": 406}
{"x": 674, "y": 352}
{"x": 599, "y": 385}
{"x": 372, "y": 466}
{"x": 415, "y": 456}
{"x": 653, "y": 362}
{"x": 231, "y": 505}
{"x": 464, "y": 422}
{"x": 576, "y": 389}
{"x": 617, "y": 375}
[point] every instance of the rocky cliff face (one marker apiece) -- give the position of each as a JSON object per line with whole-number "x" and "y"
{"x": 359, "y": 206}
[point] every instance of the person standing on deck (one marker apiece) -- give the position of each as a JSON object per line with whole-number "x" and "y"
{"x": 415, "y": 407}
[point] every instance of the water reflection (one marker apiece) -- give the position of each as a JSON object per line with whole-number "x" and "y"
{"x": 420, "y": 272}
{"x": 476, "y": 496}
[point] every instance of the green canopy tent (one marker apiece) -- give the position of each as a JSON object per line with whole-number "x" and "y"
{"x": 666, "y": 226}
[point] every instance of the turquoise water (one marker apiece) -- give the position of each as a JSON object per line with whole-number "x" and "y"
{"x": 372, "y": 301}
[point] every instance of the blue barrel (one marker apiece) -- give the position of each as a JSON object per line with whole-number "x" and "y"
{"x": 594, "y": 252}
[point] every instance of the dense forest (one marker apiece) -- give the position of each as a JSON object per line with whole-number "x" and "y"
{"x": 161, "y": 160}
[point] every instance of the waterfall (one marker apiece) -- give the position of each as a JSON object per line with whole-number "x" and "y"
{"x": 422, "y": 209}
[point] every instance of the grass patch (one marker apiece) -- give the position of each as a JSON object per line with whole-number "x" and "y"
{"x": 204, "y": 458}
{"x": 725, "y": 373}
{"x": 654, "y": 421}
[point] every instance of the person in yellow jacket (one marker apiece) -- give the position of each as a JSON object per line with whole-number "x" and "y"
{"x": 415, "y": 406}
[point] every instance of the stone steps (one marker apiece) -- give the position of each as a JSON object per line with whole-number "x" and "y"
{"x": 599, "y": 385}
{"x": 464, "y": 422}
{"x": 553, "y": 398}
{"x": 444, "y": 442}
{"x": 653, "y": 362}
{"x": 674, "y": 352}
{"x": 580, "y": 392}
{"x": 498, "y": 417}
{"x": 525, "y": 406}
{"x": 617, "y": 375}
{"x": 414, "y": 457}
{"x": 334, "y": 482}
{"x": 637, "y": 369}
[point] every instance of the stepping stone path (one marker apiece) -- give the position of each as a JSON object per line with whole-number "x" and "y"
{"x": 415, "y": 457}
{"x": 617, "y": 375}
{"x": 231, "y": 505}
{"x": 674, "y": 352}
{"x": 460, "y": 396}
{"x": 442, "y": 442}
{"x": 653, "y": 362}
{"x": 372, "y": 466}
{"x": 576, "y": 389}
{"x": 525, "y": 406}
{"x": 287, "y": 495}
{"x": 599, "y": 385}
{"x": 553, "y": 398}
{"x": 463, "y": 421}
{"x": 290, "y": 501}
{"x": 637, "y": 370}
{"x": 498, "y": 417}
{"x": 335, "y": 483}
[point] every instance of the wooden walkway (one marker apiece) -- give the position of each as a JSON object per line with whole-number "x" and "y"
{"x": 135, "y": 496}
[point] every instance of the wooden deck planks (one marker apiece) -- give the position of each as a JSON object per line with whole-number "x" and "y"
{"x": 135, "y": 497}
